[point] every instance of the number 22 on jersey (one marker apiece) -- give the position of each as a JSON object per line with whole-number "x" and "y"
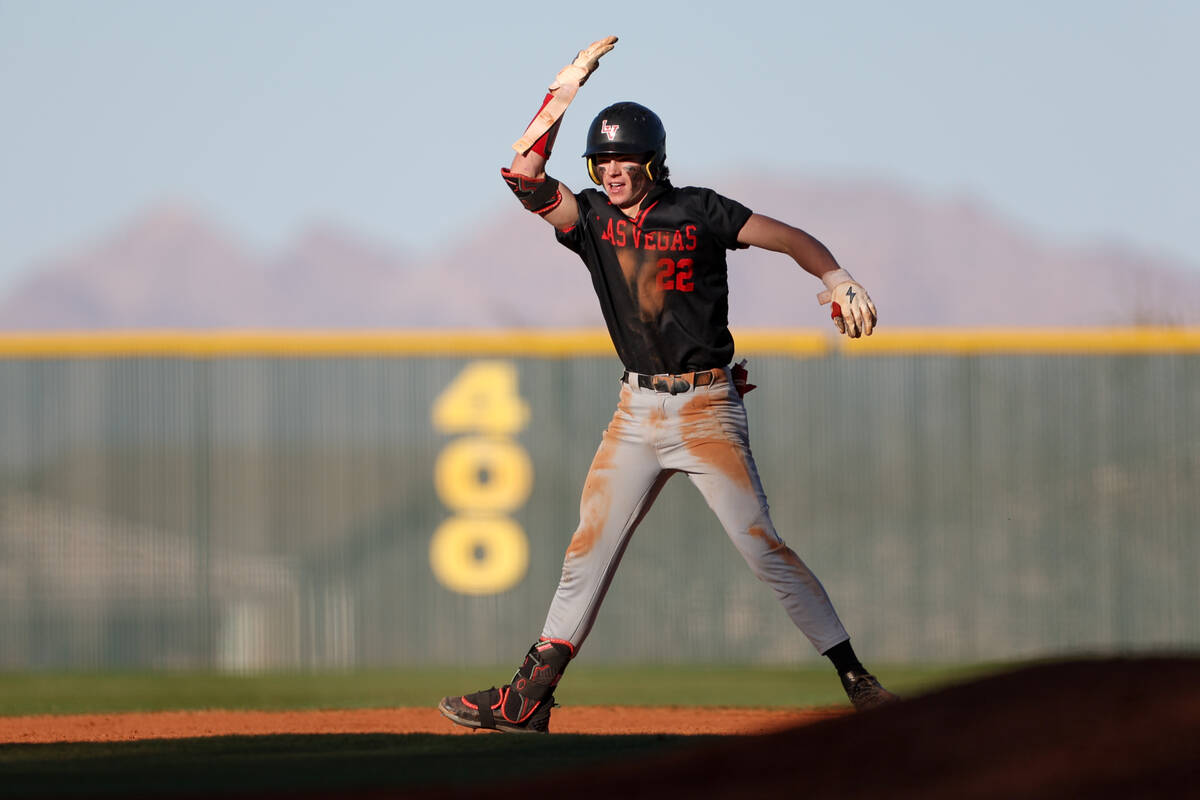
{"x": 675, "y": 275}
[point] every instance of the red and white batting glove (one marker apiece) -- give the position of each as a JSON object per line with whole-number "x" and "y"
{"x": 541, "y": 131}
{"x": 853, "y": 312}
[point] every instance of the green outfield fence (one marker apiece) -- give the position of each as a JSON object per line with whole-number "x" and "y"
{"x": 262, "y": 501}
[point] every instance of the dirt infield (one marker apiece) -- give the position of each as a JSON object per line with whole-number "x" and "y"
{"x": 582, "y": 719}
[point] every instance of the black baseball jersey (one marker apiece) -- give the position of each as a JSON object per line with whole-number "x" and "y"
{"x": 662, "y": 278}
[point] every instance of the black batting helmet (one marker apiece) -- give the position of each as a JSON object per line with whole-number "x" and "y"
{"x": 627, "y": 129}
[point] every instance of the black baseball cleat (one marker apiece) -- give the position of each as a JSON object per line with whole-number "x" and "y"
{"x": 522, "y": 706}
{"x": 865, "y": 691}
{"x": 495, "y": 709}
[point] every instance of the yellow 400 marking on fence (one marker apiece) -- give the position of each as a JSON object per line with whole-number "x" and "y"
{"x": 481, "y": 477}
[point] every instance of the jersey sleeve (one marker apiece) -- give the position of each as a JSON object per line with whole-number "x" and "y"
{"x": 572, "y": 237}
{"x": 726, "y": 218}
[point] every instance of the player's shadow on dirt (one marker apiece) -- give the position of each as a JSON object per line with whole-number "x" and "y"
{"x": 329, "y": 765}
{"x": 1120, "y": 728}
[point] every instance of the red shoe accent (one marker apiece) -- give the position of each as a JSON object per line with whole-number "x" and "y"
{"x": 563, "y": 642}
{"x": 469, "y": 704}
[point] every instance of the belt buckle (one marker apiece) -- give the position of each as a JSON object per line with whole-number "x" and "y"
{"x": 671, "y": 383}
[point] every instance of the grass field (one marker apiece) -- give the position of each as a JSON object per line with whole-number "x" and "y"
{"x": 346, "y": 763}
{"x": 74, "y": 693}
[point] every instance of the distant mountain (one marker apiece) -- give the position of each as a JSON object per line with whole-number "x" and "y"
{"x": 926, "y": 261}
{"x": 954, "y": 261}
{"x": 169, "y": 267}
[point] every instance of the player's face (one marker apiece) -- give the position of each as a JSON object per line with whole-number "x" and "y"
{"x": 624, "y": 178}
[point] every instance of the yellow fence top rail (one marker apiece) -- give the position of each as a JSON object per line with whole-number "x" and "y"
{"x": 801, "y": 343}
{"x": 1062, "y": 341}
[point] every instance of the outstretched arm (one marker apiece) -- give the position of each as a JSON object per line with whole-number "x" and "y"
{"x": 853, "y": 312}
{"x": 527, "y": 177}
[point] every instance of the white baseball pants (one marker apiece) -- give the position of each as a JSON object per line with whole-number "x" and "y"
{"x": 703, "y": 433}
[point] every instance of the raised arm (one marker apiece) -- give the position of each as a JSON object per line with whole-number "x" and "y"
{"x": 853, "y": 312}
{"x": 526, "y": 176}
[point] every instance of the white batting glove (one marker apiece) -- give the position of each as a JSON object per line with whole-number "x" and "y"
{"x": 853, "y": 312}
{"x": 578, "y": 71}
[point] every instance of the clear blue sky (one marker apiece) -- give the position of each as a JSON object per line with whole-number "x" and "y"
{"x": 1077, "y": 119}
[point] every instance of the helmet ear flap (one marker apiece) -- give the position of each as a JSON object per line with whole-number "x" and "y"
{"x": 654, "y": 166}
{"x": 591, "y": 168}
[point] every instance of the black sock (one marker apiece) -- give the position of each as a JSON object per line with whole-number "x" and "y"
{"x": 843, "y": 658}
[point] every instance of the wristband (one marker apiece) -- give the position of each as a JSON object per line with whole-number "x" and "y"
{"x": 834, "y": 278}
{"x": 544, "y": 124}
{"x": 545, "y": 142}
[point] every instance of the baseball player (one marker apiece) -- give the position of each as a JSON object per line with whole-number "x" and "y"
{"x": 657, "y": 258}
